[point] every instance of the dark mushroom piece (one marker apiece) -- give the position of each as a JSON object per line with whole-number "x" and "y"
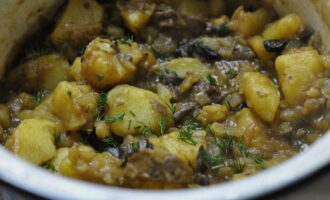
{"x": 275, "y": 45}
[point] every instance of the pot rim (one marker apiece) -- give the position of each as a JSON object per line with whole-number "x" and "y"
{"x": 38, "y": 181}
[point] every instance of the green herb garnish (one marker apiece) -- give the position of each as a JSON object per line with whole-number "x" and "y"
{"x": 147, "y": 132}
{"x": 172, "y": 107}
{"x": 112, "y": 119}
{"x": 242, "y": 148}
{"x": 260, "y": 162}
{"x": 212, "y": 80}
{"x": 237, "y": 166}
{"x": 57, "y": 139}
{"x": 69, "y": 93}
{"x": 109, "y": 141}
{"x": 231, "y": 73}
{"x": 163, "y": 124}
{"x": 41, "y": 94}
{"x": 132, "y": 113}
{"x": 127, "y": 41}
{"x": 228, "y": 105}
{"x": 186, "y": 135}
{"x": 214, "y": 161}
{"x": 135, "y": 146}
{"x": 49, "y": 166}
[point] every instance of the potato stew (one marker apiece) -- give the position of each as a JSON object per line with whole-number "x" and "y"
{"x": 162, "y": 94}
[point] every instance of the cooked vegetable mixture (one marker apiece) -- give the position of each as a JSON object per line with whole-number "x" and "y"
{"x": 162, "y": 94}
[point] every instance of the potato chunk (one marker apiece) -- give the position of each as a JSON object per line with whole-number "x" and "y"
{"x": 247, "y": 125}
{"x": 284, "y": 28}
{"x": 136, "y": 13}
{"x": 33, "y": 140}
{"x": 80, "y": 22}
{"x": 74, "y": 104}
{"x": 180, "y": 148}
{"x": 101, "y": 67}
{"x": 186, "y": 66}
{"x": 98, "y": 167}
{"x": 257, "y": 44}
{"x": 141, "y": 109}
{"x": 250, "y": 23}
{"x": 261, "y": 95}
{"x": 42, "y": 73}
{"x": 296, "y": 72}
{"x": 213, "y": 113}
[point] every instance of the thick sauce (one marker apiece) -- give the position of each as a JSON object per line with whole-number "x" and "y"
{"x": 166, "y": 94}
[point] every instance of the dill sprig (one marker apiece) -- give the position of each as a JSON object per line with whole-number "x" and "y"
{"x": 231, "y": 73}
{"x": 186, "y": 135}
{"x": 172, "y": 107}
{"x": 109, "y": 141}
{"x": 101, "y": 106}
{"x": 260, "y": 162}
{"x": 212, "y": 80}
{"x": 163, "y": 124}
{"x": 127, "y": 41}
{"x": 242, "y": 148}
{"x": 40, "y": 95}
{"x": 49, "y": 166}
{"x": 147, "y": 132}
{"x": 214, "y": 161}
{"x": 112, "y": 119}
{"x": 237, "y": 166}
{"x": 57, "y": 138}
{"x": 226, "y": 142}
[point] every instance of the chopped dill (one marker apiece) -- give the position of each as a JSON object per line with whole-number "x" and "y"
{"x": 69, "y": 93}
{"x": 260, "y": 162}
{"x": 242, "y": 148}
{"x": 231, "y": 73}
{"x": 186, "y": 135}
{"x": 226, "y": 142}
{"x": 160, "y": 74}
{"x": 214, "y": 161}
{"x": 228, "y": 105}
{"x": 109, "y": 141}
{"x": 172, "y": 107}
{"x": 163, "y": 124}
{"x": 135, "y": 146}
{"x": 237, "y": 166}
{"x": 57, "y": 139}
{"x": 212, "y": 80}
{"x": 40, "y": 95}
{"x": 132, "y": 113}
{"x": 112, "y": 119}
{"x": 101, "y": 106}
{"x": 129, "y": 124}
{"x": 127, "y": 41}
{"x": 49, "y": 166}
{"x": 147, "y": 132}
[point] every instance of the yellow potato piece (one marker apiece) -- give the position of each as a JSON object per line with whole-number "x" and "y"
{"x": 213, "y": 113}
{"x": 186, "y": 66}
{"x": 141, "y": 108}
{"x": 247, "y": 126}
{"x": 250, "y": 23}
{"x": 74, "y": 104}
{"x": 261, "y": 95}
{"x": 42, "y": 73}
{"x": 180, "y": 148}
{"x": 296, "y": 72}
{"x": 80, "y": 22}
{"x": 33, "y": 140}
{"x": 284, "y": 28}
{"x": 257, "y": 44}
{"x": 136, "y": 13}
{"x": 102, "y": 68}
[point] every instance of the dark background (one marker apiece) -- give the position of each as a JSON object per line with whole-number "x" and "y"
{"x": 314, "y": 187}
